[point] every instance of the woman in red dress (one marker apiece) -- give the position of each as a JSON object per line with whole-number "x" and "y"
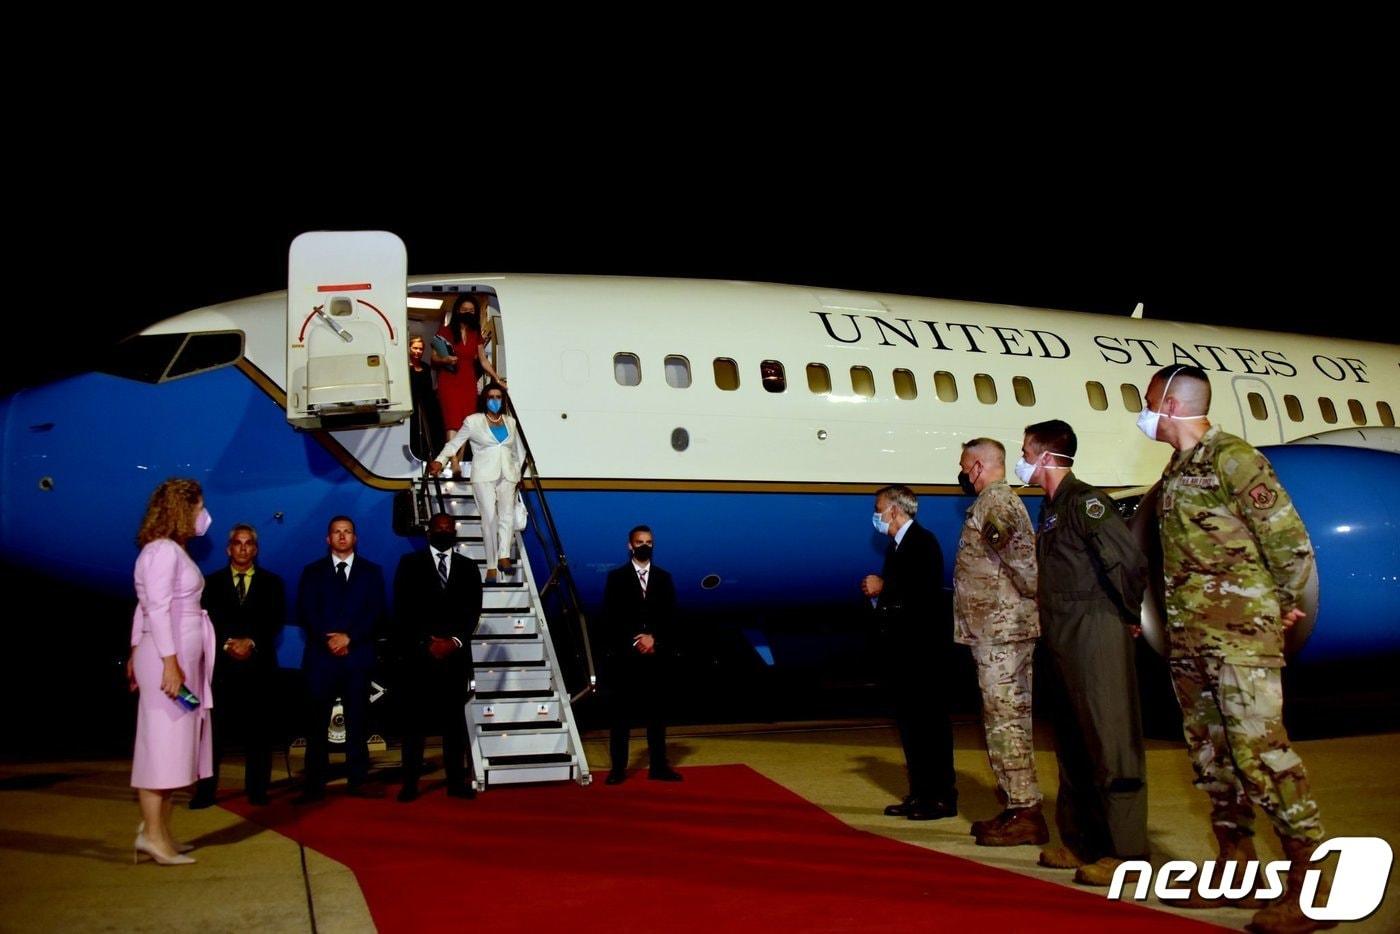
{"x": 457, "y": 370}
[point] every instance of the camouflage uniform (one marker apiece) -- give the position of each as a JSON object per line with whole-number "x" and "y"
{"x": 1092, "y": 579}
{"x": 994, "y": 614}
{"x": 1236, "y": 557}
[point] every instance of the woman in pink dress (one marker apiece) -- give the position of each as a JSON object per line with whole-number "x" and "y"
{"x": 172, "y": 648}
{"x": 457, "y": 371}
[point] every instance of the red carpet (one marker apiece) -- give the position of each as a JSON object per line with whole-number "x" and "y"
{"x": 726, "y": 849}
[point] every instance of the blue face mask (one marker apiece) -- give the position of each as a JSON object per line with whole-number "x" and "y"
{"x": 880, "y": 524}
{"x": 493, "y": 406}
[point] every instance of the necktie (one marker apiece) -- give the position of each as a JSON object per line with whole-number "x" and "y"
{"x": 343, "y": 570}
{"x": 642, "y": 576}
{"x": 242, "y": 586}
{"x": 442, "y": 567}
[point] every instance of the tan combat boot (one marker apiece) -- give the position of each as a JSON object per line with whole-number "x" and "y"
{"x": 1015, "y": 827}
{"x": 1100, "y": 872}
{"x": 1285, "y": 916}
{"x": 1059, "y": 857}
{"x": 1237, "y": 845}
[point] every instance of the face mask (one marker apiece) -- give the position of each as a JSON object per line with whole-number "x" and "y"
{"x": 493, "y": 406}
{"x": 965, "y": 482}
{"x": 642, "y": 552}
{"x": 1148, "y": 420}
{"x": 202, "y": 522}
{"x": 442, "y": 541}
{"x": 880, "y": 524}
{"x": 1024, "y": 471}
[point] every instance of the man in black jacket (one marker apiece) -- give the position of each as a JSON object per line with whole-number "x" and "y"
{"x": 917, "y": 643}
{"x": 248, "y": 606}
{"x": 437, "y": 603}
{"x": 638, "y": 637}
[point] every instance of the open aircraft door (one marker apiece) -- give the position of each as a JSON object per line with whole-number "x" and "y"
{"x": 347, "y": 310}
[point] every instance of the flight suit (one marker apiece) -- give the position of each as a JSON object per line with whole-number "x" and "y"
{"x": 1092, "y": 577}
{"x": 1236, "y": 556}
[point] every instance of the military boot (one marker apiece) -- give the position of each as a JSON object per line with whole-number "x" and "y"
{"x": 980, "y": 827}
{"x": 1237, "y": 845}
{"x": 1015, "y": 827}
{"x": 1060, "y": 857}
{"x": 1285, "y": 916}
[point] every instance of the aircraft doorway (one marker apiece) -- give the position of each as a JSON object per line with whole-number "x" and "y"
{"x": 1260, "y": 418}
{"x": 446, "y": 370}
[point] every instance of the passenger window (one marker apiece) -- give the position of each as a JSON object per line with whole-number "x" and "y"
{"x": 946, "y": 384}
{"x": 1387, "y": 416}
{"x": 774, "y": 376}
{"x": 904, "y": 386}
{"x": 819, "y": 378}
{"x": 1329, "y": 411}
{"x": 1098, "y": 399}
{"x": 1294, "y": 407}
{"x": 862, "y": 381}
{"x": 1257, "y": 408}
{"x": 1132, "y": 401}
{"x": 986, "y": 389}
{"x": 726, "y": 374}
{"x": 627, "y": 369}
{"x": 1358, "y": 412}
{"x": 1025, "y": 392}
{"x": 677, "y": 372}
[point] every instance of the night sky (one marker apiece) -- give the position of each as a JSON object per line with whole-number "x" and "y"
{"x": 1249, "y": 243}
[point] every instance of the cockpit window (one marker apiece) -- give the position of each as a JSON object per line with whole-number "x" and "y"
{"x": 159, "y": 358}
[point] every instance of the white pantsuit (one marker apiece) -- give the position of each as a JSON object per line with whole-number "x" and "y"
{"x": 495, "y": 474}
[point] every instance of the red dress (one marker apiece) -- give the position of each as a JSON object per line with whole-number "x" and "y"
{"x": 457, "y": 390}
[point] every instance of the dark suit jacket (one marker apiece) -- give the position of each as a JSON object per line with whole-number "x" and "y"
{"x": 912, "y": 594}
{"x": 325, "y": 605}
{"x": 259, "y": 617}
{"x": 627, "y": 612}
{"x": 423, "y": 608}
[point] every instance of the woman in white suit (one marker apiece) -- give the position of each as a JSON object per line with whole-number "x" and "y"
{"x": 495, "y": 472}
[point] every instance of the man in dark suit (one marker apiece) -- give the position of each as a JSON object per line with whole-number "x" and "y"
{"x": 437, "y": 602}
{"x": 638, "y": 638}
{"x": 917, "y": 644}
{"x": 340, "y": 607}
{"x": 248, "y": 607}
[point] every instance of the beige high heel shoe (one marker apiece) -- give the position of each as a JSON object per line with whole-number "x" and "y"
{"x": 179, "y": 847}
{"x": 142, "y": 845}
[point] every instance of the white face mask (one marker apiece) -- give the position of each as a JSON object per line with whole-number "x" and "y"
{"x": 202, "y": 522}
{"x": 1148, "y": 420}
{"x": 1025, "y": 471}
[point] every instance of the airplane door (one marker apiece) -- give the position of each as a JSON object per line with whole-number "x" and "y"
{"x": 1259, "y": 412}
{"x": 347, "y": 316}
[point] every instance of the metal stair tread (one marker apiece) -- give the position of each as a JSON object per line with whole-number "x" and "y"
{"x": 487, "y": 696}
{"x": 521, "y": 726}
{"x": 541, "y": 758}
{"x": 510, "y": 666}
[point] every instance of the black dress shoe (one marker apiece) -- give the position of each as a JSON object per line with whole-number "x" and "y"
{"x": 310, "y": 796}
{"x": 616, "y": 777}
{"x": 365, "y": 790}
{"x": 257, "y": 797}
{"x": 932, "y": 809}
{"x": 408, "y": 793}
{"x": 201, "y": 801}
{"x": 902, "y": 808}
{"x": 461, "y": 791}
{"x": 665, "y": 774}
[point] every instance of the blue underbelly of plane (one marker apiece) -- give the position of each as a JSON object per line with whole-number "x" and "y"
{"x": 80, "y": 458}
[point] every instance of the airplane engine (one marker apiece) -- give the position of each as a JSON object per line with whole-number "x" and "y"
{"x": 1350, "y": 500}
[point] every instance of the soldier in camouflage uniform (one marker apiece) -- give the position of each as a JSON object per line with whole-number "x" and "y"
{"x": 994, "y": 614}
{"x": 1092, "y": 576}
{"x": 1236, "y": 557}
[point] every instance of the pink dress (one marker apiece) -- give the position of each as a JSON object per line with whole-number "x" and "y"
{"x": 174, "y": 745}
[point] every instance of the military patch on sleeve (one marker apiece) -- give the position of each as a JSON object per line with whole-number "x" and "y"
{"x": 1093, "y": 507}
{"x": 1262, "y": 496}
{"x": 992, "y": 534}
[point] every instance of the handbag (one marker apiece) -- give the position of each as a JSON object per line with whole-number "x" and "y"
{"x": 522, "y": 515}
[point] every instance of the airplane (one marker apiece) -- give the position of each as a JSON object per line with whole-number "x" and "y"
{"x": 747, "y": 423}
